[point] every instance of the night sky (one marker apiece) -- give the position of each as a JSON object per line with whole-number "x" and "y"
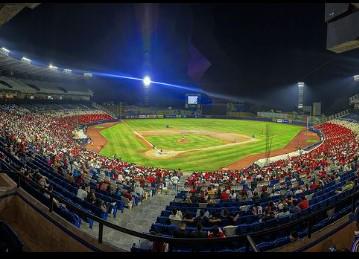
{"x": 257, "y": 51}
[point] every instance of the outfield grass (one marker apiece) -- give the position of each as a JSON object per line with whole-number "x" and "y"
{"x": 123, "y": 142}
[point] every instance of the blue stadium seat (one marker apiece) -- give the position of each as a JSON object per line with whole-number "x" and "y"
{"x": 265, "y": 246}
{"x": 281, "y": 241}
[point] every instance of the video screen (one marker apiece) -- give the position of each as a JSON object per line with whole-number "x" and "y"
{"x": 192, "y": 99}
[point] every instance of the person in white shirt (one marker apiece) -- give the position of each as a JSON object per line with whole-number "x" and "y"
{"x": 282, "y": 213}
{"x": 233, "y": 195}
{"x": 257, "y": 210}
{"x": 175, "y": 180}
{"x": 81, "y": 193}
{"x": 176, "y": 217}
{"x": 120, "y": 178}
{"x": 167, "y": 181}
{"x": 138, "y": 189}
{"x": 298, "y": 191}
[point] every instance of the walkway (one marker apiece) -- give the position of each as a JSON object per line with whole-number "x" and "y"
{"x": 139, "y": 218}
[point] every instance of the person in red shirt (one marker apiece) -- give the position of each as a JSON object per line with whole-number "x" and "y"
{"x": 127, "y": 195}
{"x": 217, "y": 232}
{"x": 151, "y": 179}
{"x": 313, "y": 186}
{"x": 225, "y": 195}
{"x": 303, "y": 204}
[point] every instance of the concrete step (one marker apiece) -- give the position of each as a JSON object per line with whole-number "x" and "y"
{"x": 139, "y": 218}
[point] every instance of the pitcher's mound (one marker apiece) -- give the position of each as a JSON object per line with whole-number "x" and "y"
{"x": 165, "y": 154}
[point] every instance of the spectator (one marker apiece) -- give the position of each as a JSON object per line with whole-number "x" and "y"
{"x": 188, "y": 218}
{"x": 216, "y": 232}
{"x": 282, "y": 213}
{"x": 348, "y": 186}
{"x": 174, "y": 181}
{"x": 180, "y": 232}
{"x": 91, "y": 197}
{"x": 81, "y": 193}
{"x": 303, "y": 204}
{"x": 293, "y": 208}
{"x": 176, "y": 215}
{"x": 199, "y": 233}
{"x": 225, "y": 195}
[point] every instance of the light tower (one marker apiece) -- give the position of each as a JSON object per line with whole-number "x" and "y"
{"x": 268, "y": 144}
{"x": 146, "y": 81}
{"x": 300, "y": 95}
{"x": 146, "y": 84}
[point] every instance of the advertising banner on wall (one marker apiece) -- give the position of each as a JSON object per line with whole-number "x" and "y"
{"x": 282, "y": 121}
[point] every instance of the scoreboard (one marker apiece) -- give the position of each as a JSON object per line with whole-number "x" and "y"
{"x": 192, "y": 101}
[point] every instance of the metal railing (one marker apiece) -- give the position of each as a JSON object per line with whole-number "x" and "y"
{"x": 247, "y": 239}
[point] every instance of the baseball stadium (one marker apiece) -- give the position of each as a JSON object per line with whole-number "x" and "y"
{"x": 179, "y": 128}
{"x": 189, "y": 145}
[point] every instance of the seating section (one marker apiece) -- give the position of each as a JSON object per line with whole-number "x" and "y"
{"x": 36, "y": 141}
{"x": 248, "y": 222}
{"x": 38, "y": 88}
{"x": 246, "y": 201}
{"x": 352, "y": 117}
{"x": 17, "y": 85}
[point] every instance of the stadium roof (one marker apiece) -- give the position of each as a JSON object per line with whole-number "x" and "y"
{"x": 9, "y": 10}
{"x": 24, "y": 66}
{"x": 27, "y": 68}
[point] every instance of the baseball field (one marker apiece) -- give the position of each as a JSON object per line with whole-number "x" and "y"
{"x": 192, "y": 144}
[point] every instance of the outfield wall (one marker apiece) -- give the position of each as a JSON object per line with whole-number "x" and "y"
{"x": 305, "y": 150}
{"x": 161, "y": 116}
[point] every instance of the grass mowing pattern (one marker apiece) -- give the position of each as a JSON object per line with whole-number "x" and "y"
{"x": 123, "y": 142}
{"x": 172, "y": 142}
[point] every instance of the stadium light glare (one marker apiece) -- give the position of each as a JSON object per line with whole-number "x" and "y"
{"x": 146, "y": 81}
{"x": 5, "y": 51}
{"x": 52, "y": 67}
{"x": 26, "y": 60}
{"x": 300, "y": 84}
{"x": 356, "y": 78}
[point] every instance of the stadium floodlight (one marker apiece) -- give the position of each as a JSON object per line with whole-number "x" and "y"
{"x": 5, "y": 51}
{"x": 87, "y": 74}
{"x": 300, "y": 84}
{"x": 52, "y": 67}
{"x": 146, "y": 81}
{"x": 68, "y": 71}
{"x": 356, "y": 78}
{"x": 26, "y": 60}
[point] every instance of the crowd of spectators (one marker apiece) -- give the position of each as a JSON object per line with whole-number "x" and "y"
{"x": 337, "y": 153}
{"x": 287, "y": 180}
{"x": 47, "y": 134}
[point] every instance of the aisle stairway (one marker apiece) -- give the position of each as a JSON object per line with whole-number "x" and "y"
{"x": 140, "y": 219}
